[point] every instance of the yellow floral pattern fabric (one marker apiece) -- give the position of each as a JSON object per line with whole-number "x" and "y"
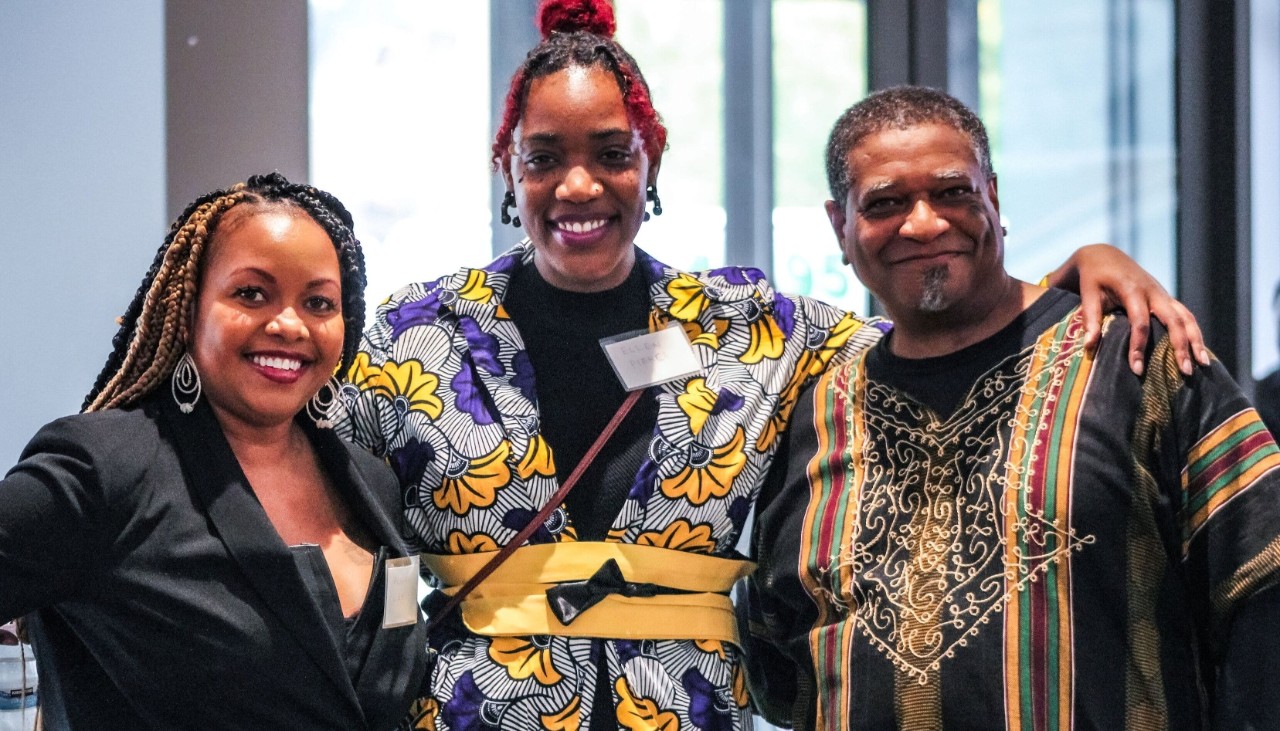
{"x": 443, "y": 389}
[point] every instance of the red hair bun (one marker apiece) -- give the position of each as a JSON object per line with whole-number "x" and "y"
{"x": 567, "y": 16}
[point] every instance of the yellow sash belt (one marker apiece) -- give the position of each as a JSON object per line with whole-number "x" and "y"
{"x": 513, "y": 602}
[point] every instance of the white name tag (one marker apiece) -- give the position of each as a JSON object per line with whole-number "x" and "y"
{"x": 401, "y": 606}
{"x": 651, "y": 358}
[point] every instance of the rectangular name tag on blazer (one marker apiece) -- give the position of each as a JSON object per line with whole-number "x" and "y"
{"x": 649, "y": 358}
{"x": 401, "y": 606}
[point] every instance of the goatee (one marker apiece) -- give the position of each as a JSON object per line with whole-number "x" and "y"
{"x": 932, "y": 297}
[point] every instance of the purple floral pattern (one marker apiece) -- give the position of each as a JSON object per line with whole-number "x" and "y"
{"x": 456, "y": 328}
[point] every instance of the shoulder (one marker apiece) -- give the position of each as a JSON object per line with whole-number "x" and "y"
{"x": 109, "y": 434}
{"x": 107, "y": 449}
{"x": 471, "y": 289}
{"x": 739, "y": 291}
{"x": 1117, "y": 330}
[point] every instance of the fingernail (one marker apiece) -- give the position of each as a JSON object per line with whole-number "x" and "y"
{"x": 1138, "y": 366}
{"x": 1204, "y": 357}
{"x": 1187, "y": 367}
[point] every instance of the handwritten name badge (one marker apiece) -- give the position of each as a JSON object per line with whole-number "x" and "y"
{"x": 401, "y": 607}
{"x": 648, "y": 359}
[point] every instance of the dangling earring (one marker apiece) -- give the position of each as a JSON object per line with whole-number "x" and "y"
{"x": 320, "y": 408}
{"x": 509, "y": 201}
{"x": 651, "y": 194}
{"x": 185, "y": 381}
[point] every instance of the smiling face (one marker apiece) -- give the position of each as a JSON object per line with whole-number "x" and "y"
{"x": 579, "y": 173}
{"x": 921, "y": 225}
{"x": 268, "y": 326}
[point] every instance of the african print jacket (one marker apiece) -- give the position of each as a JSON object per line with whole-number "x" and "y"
{"x": 442, "y": 387}
{"x": 1074, "y": 547}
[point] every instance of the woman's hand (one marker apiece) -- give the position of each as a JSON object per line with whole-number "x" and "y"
{"x": 1106, "y": 278}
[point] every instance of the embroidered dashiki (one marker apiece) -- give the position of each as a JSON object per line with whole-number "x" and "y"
{"x": 1064, "y": 546}
{"x": 443, "y": 388}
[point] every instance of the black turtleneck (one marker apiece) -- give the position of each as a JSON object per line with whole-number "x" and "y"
{"x": 577, "y": 389}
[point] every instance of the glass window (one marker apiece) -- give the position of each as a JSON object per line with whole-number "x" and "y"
{"x": 683, "y": 63}
{"x": 1085, "y": 147}
{"x": 400, "y": 131}
{"x": 1264, "y": 108}
{"x": 1265, "y": 149}
{"x": 819, "y": 69}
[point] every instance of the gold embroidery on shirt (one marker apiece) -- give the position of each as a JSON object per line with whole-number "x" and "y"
{"x": 926, "y": 560}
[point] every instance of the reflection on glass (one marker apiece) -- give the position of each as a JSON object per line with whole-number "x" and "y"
{"x": 400, "y": 131}
{"x": 819, "y": 69}
{"x": 679, "y": 45}
{"x": 1085, "y": 147}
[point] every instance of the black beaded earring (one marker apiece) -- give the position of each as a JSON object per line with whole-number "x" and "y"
{"x": 651, "y": 194}
{"x": 509, "y": 201}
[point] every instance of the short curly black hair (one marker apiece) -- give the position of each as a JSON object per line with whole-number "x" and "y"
{"x": 899, "y": 107}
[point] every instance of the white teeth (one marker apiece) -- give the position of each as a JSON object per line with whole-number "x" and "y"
{"x": 579, "y": 227}
{"x": 280, "y": 364}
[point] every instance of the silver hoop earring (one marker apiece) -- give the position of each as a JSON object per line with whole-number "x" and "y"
{"x": 320, "y": 407}
{"x": 185, "y": 383}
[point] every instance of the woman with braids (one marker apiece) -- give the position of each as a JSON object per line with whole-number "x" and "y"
{"x": 486, "y": 388}
{"x": 198, "y": 549}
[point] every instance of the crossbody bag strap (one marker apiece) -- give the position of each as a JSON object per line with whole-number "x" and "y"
{"x": 556, "y": 500}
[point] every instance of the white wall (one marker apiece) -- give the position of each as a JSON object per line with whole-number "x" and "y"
{"x": 82, "y": 210}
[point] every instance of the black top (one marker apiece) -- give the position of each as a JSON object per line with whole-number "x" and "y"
{"x": 578, "y": 391}
{"x": 164, "y": 599}
{"x": 942, "y": 382}
{"x": 352, "y": 635}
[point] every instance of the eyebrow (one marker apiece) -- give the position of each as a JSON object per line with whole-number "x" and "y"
{"x": 944, "y": 176}
{"x": 552, "y": 137}
{"x": 319, "y": 281}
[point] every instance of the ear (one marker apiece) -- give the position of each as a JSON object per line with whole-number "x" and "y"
{"x": 835, "y": 214}
{"x": 991, "y": 193}
{"x": 504, "y": 167}
{"x": 654, "y": 163}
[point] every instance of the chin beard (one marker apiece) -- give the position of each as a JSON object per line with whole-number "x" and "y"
{"x": 932, "y": 297}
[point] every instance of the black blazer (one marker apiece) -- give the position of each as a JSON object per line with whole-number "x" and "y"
{"x": 164, "y": 598}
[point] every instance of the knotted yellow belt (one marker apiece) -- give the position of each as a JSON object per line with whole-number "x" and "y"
{"x": 513, "y": 600}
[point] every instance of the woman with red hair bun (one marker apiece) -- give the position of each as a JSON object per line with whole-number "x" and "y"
{"x": 486, "y": 388}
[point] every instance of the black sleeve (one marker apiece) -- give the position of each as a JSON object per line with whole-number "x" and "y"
{"x": 52, "y": 521}
{"x": 1246, "y": 697}
{"x": 1222, "y": 468}
{"x": 774, "y": 610}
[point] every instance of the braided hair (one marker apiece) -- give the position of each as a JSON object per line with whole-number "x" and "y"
{"x": 154, "y": 329}
{"x": 580, "y": 33}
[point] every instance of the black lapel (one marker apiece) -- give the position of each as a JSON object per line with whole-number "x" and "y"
{"x": 393, "y": 666}
{"x": 239, "y": 521}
